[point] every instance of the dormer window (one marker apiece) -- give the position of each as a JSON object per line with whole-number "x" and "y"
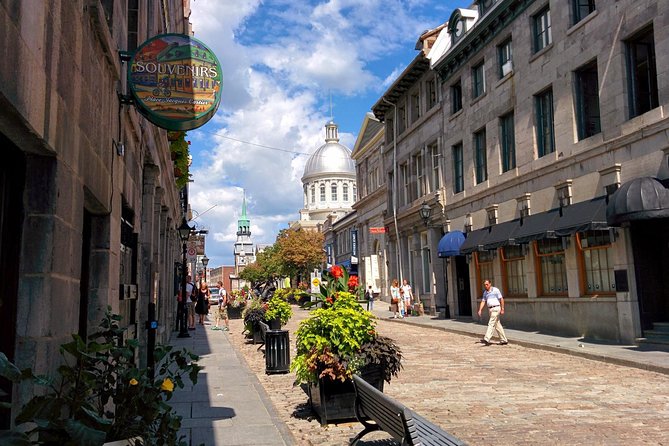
{"x": 458, "y": 28}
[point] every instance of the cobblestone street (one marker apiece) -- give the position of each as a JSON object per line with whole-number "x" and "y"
{"x": 495, "y": 395}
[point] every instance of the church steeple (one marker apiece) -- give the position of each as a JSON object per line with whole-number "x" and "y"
{"x": 243, "y": 224}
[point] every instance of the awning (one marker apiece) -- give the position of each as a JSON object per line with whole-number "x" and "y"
{"x": 474, "y": 241}
{"x": 583, "y": 216}
{"x": 501, "y": 234}
{"x": 639, "y": 199}
{"x": 450, "y": 243}
{"x": 536, "y": 227}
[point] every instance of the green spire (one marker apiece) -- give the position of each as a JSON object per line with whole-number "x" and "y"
{"x": 244, "y": 224}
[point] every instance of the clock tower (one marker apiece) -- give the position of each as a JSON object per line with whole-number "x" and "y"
{"x": 244, "y": 254}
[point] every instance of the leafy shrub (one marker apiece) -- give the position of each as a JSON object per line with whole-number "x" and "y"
{"x": 278, "y": 308}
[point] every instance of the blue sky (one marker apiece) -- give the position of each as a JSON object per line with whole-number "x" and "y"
{"x": 284, "y": 62}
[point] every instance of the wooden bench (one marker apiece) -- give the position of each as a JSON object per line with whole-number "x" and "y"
{"x": 400, "y": 422}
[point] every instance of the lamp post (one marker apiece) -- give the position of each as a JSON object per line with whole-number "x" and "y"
{"x": 425, "y": 212}
{"x": 205, "y": 262}
{"x": 184, "y": 235}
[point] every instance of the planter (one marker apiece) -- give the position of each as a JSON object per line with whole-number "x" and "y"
{"x": 257, "y": 334}
{"x": 235, "y": 312}
{"x": 274, "y": 324}
{"x": 335, "y": 400}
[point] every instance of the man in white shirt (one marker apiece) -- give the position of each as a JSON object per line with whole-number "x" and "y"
{"x": 493, "y": 298}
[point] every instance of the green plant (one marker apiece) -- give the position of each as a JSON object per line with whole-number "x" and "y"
{"x": 335, "y": 281}
{"x": 101, "y": 395}
{"x": 253, "y": 313}
{"x": 179, "y": 154}
{"x": 278, "y": 308}
{"x": 329, "y": 341}
{"x": 382, "y": 352}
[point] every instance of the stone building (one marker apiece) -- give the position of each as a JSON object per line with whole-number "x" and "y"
{"x": 552, "y": 145}
{"x": 88, "y": 199}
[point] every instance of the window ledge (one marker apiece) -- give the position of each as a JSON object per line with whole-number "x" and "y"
{"x": 504, "y": 78}
{"x": 455, "y": 115}
{"x": 541, "y": 52}
{"x": 478, "y": 98}
{"x": 582, "y": 22}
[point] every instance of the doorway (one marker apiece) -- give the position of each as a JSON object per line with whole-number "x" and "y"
{"x": 462, "y": 288}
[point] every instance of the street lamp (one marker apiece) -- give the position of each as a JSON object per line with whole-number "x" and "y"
{"x": 205, "y": 262}
{"x": 184, "y": 235}
{"x": 425, "y": 212}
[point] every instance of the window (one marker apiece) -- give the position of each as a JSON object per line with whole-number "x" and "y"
{"x": 507, "y": 142}
{"x": 313, "y": 194}
{"x": 542, "y": 30}
{"x": 480, "y": 157}
{"x": 426, "y": 261}
{"x": 322, "y": 192}
{"x": 587, "y": 101}
{"x": 581, "y": 8}
{"x": 390, "y": 130}
{"x": 345, "y": 192}
{"x": 333, "y": 192}
{"x": 456, "y": 97}
{"x": 402, "y": 117}
{"x": 505, "y": 58}
{"x": 415, "y": 106}
{"x": 431, "y": 93}
{"x": 435, "y": 179}
{"x": 513, "y": 270}
{"x": 355, "y": 194}
{"x": 642, "y": 73}
{"x": 420, "y": 175}
{"x": 133, "y": 24}
{"x": 458, "y": 169}
{"x": 544, "y": 124}
{"x": 596, "y": 258}
{"x": 406, "y": 183}
{"x": 553, "y": 272}
{"x": 484, "y": 269}
{"x": 478, "y": 80}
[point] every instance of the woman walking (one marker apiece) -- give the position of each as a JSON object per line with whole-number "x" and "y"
{"x": 202, "y": 304}
{"x": 395, "y": 300}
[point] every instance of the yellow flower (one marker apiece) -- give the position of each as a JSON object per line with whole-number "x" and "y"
{"x": 167, "y": 385}
{"x": 134, "y": 382}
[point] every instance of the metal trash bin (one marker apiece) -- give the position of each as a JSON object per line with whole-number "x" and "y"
{"x": 277, "y": 351}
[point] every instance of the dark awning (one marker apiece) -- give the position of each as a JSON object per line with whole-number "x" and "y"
{"x": 536, "y": 227}
{"x": 450, "y": 243}
{"x": 583, "y": 216}
{"x": 474, "y": 241}
{"x": 639, "y": 199}
{"x": 501, "y": 234}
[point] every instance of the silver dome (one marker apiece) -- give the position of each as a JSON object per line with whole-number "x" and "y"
{"x": 330, "y": 158}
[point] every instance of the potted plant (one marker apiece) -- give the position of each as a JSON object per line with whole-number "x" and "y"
{"x": 336, "y": 341}
{"x": 100, "y": 395}
{"x": 278, "y": 312}
{"x": 236, "y": 304}
{"x": 253, "y": 314}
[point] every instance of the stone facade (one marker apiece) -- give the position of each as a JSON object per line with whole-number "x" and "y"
{"x": 88, "y": 201}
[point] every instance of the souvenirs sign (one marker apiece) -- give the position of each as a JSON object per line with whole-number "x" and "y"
{"x": 175, "y": 81}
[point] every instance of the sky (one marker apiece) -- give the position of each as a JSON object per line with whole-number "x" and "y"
{"x": 289, "y": 66}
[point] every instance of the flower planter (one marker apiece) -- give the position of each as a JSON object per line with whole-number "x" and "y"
{"x": 257, "y": 334}
{"x": 235, "y": 312}
{"x": 335, "y": 400}
{"x": 274, "y": 324}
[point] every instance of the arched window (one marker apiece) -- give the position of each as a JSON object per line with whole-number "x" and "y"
{"x": 333, "y": 192}
{"x": 355, "y": 194}
{"x": 313, "y": 194}
{"x": 322, "y": 192}
{"x": 345, "y": 193}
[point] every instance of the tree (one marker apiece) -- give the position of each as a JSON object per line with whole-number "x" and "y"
{"x": 265, "y": 271}
{"x": 299, "y": 251}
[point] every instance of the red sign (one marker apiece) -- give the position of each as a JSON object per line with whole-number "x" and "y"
{"x": 380, "y": 230}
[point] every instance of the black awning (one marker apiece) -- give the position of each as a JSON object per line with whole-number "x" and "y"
{"x": 583, "y": 216}
{"x": 639, "y": 199}
{"x": 536, "y": 227}
{"x": 474, "y": 241}
{"x": 450, "y": 243}
{"x": 501, "y": 234}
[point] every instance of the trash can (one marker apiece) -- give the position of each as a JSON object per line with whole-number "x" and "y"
{"x": 277, "y": 352}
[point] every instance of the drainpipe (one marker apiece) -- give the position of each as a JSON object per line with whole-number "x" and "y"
{"x": 397, "y": 231}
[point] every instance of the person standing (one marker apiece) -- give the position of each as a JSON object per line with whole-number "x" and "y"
{"x": 191, "y": 299}
{"x": 493, "y": 298}
{"x": 202, "y": 303}
{"x": 395, "y": 301}
{"x": 222, "y": 308}
{"x": 407, "y": 295}
{"x": 369, "y": 296}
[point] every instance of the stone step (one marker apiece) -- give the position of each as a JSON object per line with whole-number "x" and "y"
{"x": 662, "y": 327}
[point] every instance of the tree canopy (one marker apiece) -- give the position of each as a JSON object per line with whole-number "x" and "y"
{"x": 300, "y": 251}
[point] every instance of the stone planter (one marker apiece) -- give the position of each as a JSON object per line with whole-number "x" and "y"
{"x": 335, "y": 400}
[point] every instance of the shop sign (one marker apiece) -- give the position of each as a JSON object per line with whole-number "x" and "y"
{"x": 175, "y": 81}
{"x": 375, "y": 230}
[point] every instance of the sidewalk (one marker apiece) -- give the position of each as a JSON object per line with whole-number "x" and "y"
{"x": 647, "y": 357}
{"x": 228, "y": 405}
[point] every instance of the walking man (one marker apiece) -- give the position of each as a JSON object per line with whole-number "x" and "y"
{"x": 493, "y": 298}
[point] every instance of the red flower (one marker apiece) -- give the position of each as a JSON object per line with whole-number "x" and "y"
{"x": 329, "y": 300}
{"x": 336, "y": 271}
{"x": 353, "y": 281}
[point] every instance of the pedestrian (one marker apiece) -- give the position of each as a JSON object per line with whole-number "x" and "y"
{"x": 191, "y": 299}
{"x": 222, "y": 310}
{"x": 202, "y": 303}
{"x": 369, "y": 296}
{"x": 395, "y": 301}
{"x": 493, "y": 298}
{"x": 407, "y": 295}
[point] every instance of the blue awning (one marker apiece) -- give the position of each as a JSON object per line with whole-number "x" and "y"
{"x": 450, "y": 243}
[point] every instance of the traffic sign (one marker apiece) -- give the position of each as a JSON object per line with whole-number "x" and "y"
{"x": 191, "y": 254}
